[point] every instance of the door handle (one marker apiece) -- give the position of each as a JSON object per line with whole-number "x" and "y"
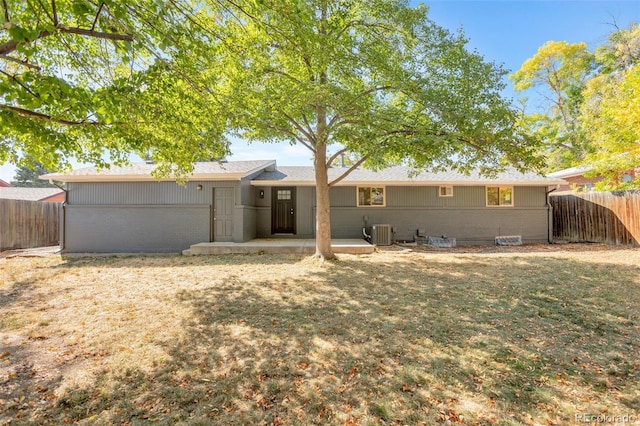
{"x": 291, "y": 211}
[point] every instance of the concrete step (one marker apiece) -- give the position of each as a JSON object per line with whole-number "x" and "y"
{"x": 301, "y": 246}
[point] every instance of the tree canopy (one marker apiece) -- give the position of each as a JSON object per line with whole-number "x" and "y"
{"x": 95, "y": 81}
{"x": 558, "y": 71}
{"x": 593, "y": 116}
{"x": 377, "y": 80}
{"x": 28, "y": 176}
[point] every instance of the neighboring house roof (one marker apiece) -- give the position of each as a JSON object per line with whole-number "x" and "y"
{"x": 29, "y": 194}
{"x": 4, "y": 184}
{"x": 232, "y": 170}
{"x": 304, "y": 176}
{"x": 570, "y": 172}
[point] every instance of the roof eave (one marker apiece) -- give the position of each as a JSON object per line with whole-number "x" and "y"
{"x": 408, "y": 183}
{"x": 142, "y": 178}
{"x": 148, "y": 178}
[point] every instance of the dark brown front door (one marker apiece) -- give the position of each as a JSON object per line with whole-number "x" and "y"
{"x": 284, "y": 210}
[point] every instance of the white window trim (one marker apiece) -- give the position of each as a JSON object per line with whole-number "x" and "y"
{"x": 446, "y": 195}
{"x": 486, "y": 196}
{"x": 384, "y": 196}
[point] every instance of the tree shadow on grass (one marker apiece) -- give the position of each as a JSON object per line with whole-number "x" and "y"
{"x": 484, "y": 342}
{"x": 26, "y": 386}
{"x": 173, "y": 261}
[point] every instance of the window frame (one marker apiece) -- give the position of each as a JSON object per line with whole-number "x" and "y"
{"x": 384, "y": 196}
{"x": 500, "y": 188}
{"x": 445, "y": 195}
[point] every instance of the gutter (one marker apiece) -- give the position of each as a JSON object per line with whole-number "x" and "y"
{"x": 549, "y": 216}
{"x": 63, "y": 218}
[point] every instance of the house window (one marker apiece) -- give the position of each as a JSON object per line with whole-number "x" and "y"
{"x": 369, "y": 196}
{"x": 500, "y": 196}
{"x": 445, "y": 191}
{"x": 284, "y": 194}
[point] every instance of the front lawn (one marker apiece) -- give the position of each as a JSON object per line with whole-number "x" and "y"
{"x": 534, "y": 335}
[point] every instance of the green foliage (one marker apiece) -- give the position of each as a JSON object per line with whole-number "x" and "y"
{"x": 27, "y": 176}
{"x": 378, "y": 79}
{"x": 97, "y": 81}
{"x": 558, "y": 70}
{"x": 611, "y": 116}
{"x": 593, "y": 117}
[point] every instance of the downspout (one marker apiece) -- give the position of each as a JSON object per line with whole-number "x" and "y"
{"x": 549, "y": 216}
{"x": 63, "y": 219}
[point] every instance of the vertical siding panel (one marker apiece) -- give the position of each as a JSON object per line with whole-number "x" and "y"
{"x": 427, "y": 196}
{"x": 305, "y": 200}
{"x": 530, "y": 196}
{"x": 148, "y": 193}
{"x": 342, "y": 196}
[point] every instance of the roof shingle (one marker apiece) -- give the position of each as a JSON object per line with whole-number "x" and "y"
{"x": 28, "y": 194}
{"x": 142, "y": 171}
{"x": 400, "y": 175}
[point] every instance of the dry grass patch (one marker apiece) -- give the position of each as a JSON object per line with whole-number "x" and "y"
{"x": 510, "y": 337}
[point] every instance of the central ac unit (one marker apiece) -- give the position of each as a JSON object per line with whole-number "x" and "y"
{"x": 381, "y": 235}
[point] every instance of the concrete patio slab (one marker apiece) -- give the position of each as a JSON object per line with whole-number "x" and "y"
{"x": 274, "y": 245}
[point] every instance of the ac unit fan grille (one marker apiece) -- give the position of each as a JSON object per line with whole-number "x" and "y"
{"x": 381, "y": 235}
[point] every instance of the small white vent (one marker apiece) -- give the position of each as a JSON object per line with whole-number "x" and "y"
{"x": 381, "y": 235}
{"x": 509, "y": 240}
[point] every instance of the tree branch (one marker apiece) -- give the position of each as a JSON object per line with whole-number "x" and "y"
{"x": 95, "y": 20}
{"x": 334, "y": 120}
{"x": 306, "y": 123}
{"x": 55, "y": 13}
{"x": 21, "y": 62}
{"x": 44, "y": 8}
{"x": 310, "y": 137}
{"x": 11, "y": 45}
{"x": 21, "y": 84}
{"x": 95, "y": 34}
{"x": 351, "y": 169}
{"x": 335, "y": 156}
{"x": 6, "y": 12}
{"x": 303, "y": 142}
{"x": 46, "y": 117}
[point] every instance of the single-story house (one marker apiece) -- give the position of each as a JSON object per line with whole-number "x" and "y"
{"x": 125, "y": 209}
{"x": 48, "y": 195}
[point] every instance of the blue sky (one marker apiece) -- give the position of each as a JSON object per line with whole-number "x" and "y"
{"x": 506, "y": 32}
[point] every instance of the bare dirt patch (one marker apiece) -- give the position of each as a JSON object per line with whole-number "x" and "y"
{"x": 512, "y": 335}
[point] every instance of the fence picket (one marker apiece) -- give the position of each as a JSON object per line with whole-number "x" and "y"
{"x": 26, "y": 224}
{"x": 602, "y": 217}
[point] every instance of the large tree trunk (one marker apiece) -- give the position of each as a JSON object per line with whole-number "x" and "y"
{"x": 323, "y": 207}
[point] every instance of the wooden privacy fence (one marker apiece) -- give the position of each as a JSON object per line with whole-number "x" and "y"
{"x": 26, "y": 224}
{"x": 599, "y": 217}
